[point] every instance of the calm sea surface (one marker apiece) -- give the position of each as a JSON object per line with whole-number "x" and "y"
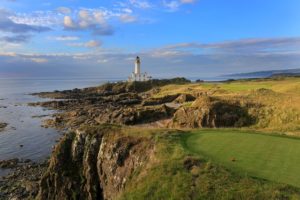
{"x": 24, "y": 137}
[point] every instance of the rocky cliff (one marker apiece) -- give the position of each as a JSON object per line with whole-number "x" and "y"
{"x": 94, "y": 163}
{"x": 126, "y": 104}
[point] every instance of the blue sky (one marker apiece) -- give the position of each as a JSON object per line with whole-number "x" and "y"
{"x": 199, "y": 38}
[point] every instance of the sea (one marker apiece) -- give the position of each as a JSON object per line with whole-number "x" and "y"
{"x": 24, "y": 137}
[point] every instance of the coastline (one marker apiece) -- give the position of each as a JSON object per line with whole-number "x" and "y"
{"x": 99, "y": 117}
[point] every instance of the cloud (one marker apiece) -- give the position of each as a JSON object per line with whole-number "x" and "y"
{"x": 68, "y": 22}
{"x": 66, "y": 38}
{"x": 10, "y": 54}
{"x": 126, "y": 18}
{"x": 91, "y": 20}
{"x": 64, "y": 10}
{"x": 45, "y": 18}
{"x": 93, "y": 43}
{"x": 39, "y": 60}
{"x": 140, "y": 4}
{"x": 188, "y": 1}
{"x": 16, "y": 38}
{"x": 113, "y": 65}
{"x": 244, "y": 46}
{"x": 172, "y": 6}
{"x": 88, "y": 44}
{"x": 8, "y": 25}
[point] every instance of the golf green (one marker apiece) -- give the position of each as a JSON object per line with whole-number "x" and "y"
{"x": 274, "y": 158}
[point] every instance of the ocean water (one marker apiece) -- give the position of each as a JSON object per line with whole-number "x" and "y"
{"x": 24, "y": 138}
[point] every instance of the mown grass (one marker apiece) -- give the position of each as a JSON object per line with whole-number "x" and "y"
{"x": 274, "y": 158}
{"x": 167, "y": 176}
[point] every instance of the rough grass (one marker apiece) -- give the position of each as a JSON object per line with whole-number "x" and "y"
{"x": 167, "y": 176}
{"x": 284, "y": 85}
{"x": 277, "y": 100}
{"x": 275, "y": 158}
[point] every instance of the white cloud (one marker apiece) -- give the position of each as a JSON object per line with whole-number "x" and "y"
{"x": 140, "y": 4}
{"x": 11, "y": 54}
{"x": 68, "y": 22}
{"x": 66, "y": 38}
{"x": 94, "y": 20}
{"x": 171, "y": 5}
{"x": 37, "y": 18}
{"x": 187, "y": 1}
{"x": 39, "y": 60}
{"x": 126, "y": 18}
{"x": 93, "y": 43}
{"x": 64, "y": 10}
{"x": 174, "y": 5}
{"x": 88, "y": 44}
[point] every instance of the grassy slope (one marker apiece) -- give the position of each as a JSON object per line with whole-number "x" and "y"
{"x": 167, "y": 176}
{"x": 280, "y": 111}
{"x": 284, "y": 85}
{"x": 261, "y": 156}
{"x": 275, "y": 158}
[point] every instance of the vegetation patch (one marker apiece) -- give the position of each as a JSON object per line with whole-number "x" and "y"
{"x": 176, "y": 173}
{"x": 274, "y": 158}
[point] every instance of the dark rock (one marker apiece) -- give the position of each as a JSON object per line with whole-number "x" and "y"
{"x": 162, "y": 100}
{"x": 11, "y": 163}
{"x": 184, "y": 98}
{"x": 3, "y": 125}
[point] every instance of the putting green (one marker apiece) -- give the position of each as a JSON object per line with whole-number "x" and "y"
{"x": 269, "y": 157}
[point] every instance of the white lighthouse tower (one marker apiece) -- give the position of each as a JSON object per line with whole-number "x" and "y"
{"x": 137, "y": 75}
{"x": 137, "y": 69}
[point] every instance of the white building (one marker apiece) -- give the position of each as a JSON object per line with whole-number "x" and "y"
{"x": 137, "y": 75}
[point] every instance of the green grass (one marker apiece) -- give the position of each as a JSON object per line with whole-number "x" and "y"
{"x": 274, "y": 158}
{"x": 165, "y": 176}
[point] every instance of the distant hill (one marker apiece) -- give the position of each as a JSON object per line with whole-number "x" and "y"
{"x": 264, "y": 74}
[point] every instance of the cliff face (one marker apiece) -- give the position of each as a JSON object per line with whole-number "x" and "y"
{"x": 94, "y": 164}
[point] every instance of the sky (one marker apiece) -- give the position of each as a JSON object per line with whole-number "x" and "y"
{"x": 190, "y": 38}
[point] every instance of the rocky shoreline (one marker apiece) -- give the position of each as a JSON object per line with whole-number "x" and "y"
{"x": 84, "y": 113}
{"x": 137, "y": 104}
{"x": 23, "y": 180}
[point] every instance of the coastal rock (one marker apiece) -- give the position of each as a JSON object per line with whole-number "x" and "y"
{"x": 11, "y": 163}
{"x": 23, "y": 181}
{"x": 161, "y": 100}
{"x": 93, "y": 164}
{"x": 184, "y": 98}
{"x": 211, "y": 112}
{"x": 3, "y": 126}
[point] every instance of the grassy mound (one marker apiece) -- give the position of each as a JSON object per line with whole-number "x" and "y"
{"x": 274, "y": 158}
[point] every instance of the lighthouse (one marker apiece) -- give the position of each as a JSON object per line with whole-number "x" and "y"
{"x": 137, "y": 75}
{"x": 137, "y": 68}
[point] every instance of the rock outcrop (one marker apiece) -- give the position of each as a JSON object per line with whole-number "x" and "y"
{"x": 211, "y": 112}
{"x": 94, "y": 164}
{"x": 3, "y": 126}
